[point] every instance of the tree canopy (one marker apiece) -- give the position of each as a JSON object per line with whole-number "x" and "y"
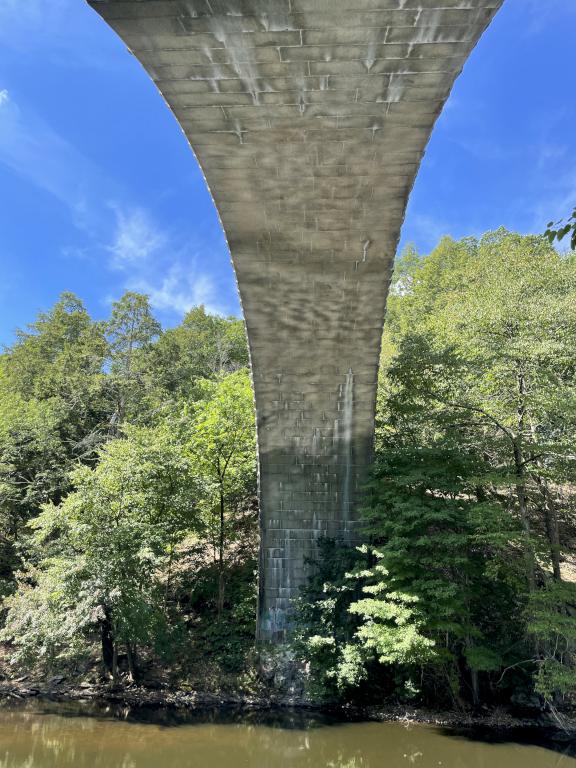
{"x": 470, "y": 585}
{"x": 128, "y": 510}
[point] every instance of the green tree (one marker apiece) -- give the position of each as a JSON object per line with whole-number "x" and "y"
{"x": 203, "y": 346}
{"x": 59, "y": 344}
{"x": 476, "y": 424}
{"x": 60, "y": 357}
{"x": 131, "y": 331}
{"x": 552, "y": 625}
{"x": 33, "y": 465}
{"x": 557, "y": 230}
{"x": 223, "y": 447}
{"x": 103, "y": 550}
{"x": 471, "y": 504}
{"x": 53, "y": 412}
{"x": 499, "y": 354}
{"x": 110, "y": 508}
{"x": 324, "y": 628}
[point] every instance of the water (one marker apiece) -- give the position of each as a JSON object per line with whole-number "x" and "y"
{"x": 44, "y": 735}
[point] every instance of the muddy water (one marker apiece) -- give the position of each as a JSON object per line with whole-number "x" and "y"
{"x": 41, "y": 735}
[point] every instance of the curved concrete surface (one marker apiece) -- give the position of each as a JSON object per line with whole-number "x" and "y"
{"x": 309, "y": 119}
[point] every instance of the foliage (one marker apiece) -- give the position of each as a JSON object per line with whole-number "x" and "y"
{"x": 128, "y": 518}
{"x": 223, "y": 447}
{"x": 470, "y": 506}
{"x": 323, "y": 626}
{"x": 131, "y": 331}
{"x": 476, "y": 428}
{"x": 202, "y": 347}
{"x": 223, "y": 436}
{"x": 32, "y": 459}
{"x": 552, "y": 624}
{"x": 109, "y": 479}
{"x": 104, "y": 546}
{"x": 52, "y": 406}
{"x": 557, "y": 230}
{"x": 392, "y": 620}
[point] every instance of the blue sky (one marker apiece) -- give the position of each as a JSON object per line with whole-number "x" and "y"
{"x": 100, "y": 192}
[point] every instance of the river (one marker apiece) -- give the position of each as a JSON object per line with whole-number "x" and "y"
{"x": 49, "y": 735}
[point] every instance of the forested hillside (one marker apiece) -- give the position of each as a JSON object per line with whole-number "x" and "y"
{"x": 127, "y": 491}
{"x": 468, "y": 594}
{"x": 128, "y": 512}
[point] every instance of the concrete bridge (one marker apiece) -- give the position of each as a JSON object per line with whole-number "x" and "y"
{"x": 309, "y": 119}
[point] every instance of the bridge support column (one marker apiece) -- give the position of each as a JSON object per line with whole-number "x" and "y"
{"x": 309, "y": 119}
{"x": 315, "y": 448}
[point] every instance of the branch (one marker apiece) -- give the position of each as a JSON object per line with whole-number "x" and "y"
{"x": 489, "y": 416}
{"x": 518, "y": 664}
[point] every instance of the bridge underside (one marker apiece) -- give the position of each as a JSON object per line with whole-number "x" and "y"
{"x": 309, "y": 119}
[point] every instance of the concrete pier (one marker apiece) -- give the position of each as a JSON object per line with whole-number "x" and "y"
{"x": 309, "y": 119}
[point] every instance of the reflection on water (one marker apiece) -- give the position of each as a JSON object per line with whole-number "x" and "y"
{"x": 56, "y": 736}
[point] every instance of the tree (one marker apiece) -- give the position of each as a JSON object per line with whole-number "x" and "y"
{"x": 109, "y": 510}
{"x": 324, "y": 628}
{"x": 393, "y": 626}
{"x": 131, "y": 331}
{"x": 52, "y": 412}
{"x": 101, "y": 551}
{"x": 33, "y": 464}
{"x": 204, "y": 346}
{"x": 557, "y": 230}
{"x": 476, "y": 424}
{"x": 552, "y": 624}
{"x": 63, "y": 338}
{"x": 223, "y": 447}
{"x": 60, "y": 357}
{"x": 504, "y": 345}
{"x": 469, "y": 508}
{"x": 448, "y": 547}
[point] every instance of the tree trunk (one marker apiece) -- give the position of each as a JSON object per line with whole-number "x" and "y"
{"x": 520, "y": 472}
{"x": 550, "y": 520}
{"x": 475, "y": 687}
{"x": 221, "y": 586}
{"x": 524, "y": 519}
{"x": 168, "y": 578}
{"x": 552, "y": 532}
{"x": 115, "y": 664}
{"x": 107, "y": 641}
{"x": 132, "y": 667}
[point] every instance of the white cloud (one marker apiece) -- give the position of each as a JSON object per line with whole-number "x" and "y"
{"x": 136, "y": 239}
{"x": 33, "y": 150}
{"x": 182, "y": 288}
{"x": 155, "y": 262}
{"x": 144, "y": 255}
{"x": 148, "y": 258}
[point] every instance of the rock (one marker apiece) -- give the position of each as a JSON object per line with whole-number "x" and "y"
{"x": 526, "y": 701}
{"x": 28, "y": 692}
{"x": 57, "y": 680}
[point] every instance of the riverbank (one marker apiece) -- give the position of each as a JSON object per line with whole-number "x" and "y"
{"x": 497, "y": 720}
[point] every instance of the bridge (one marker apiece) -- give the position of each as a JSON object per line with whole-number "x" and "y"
{"x": 309, "y": 119}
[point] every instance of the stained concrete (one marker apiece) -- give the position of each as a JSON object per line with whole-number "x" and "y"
{"x": 309, "y": 119}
